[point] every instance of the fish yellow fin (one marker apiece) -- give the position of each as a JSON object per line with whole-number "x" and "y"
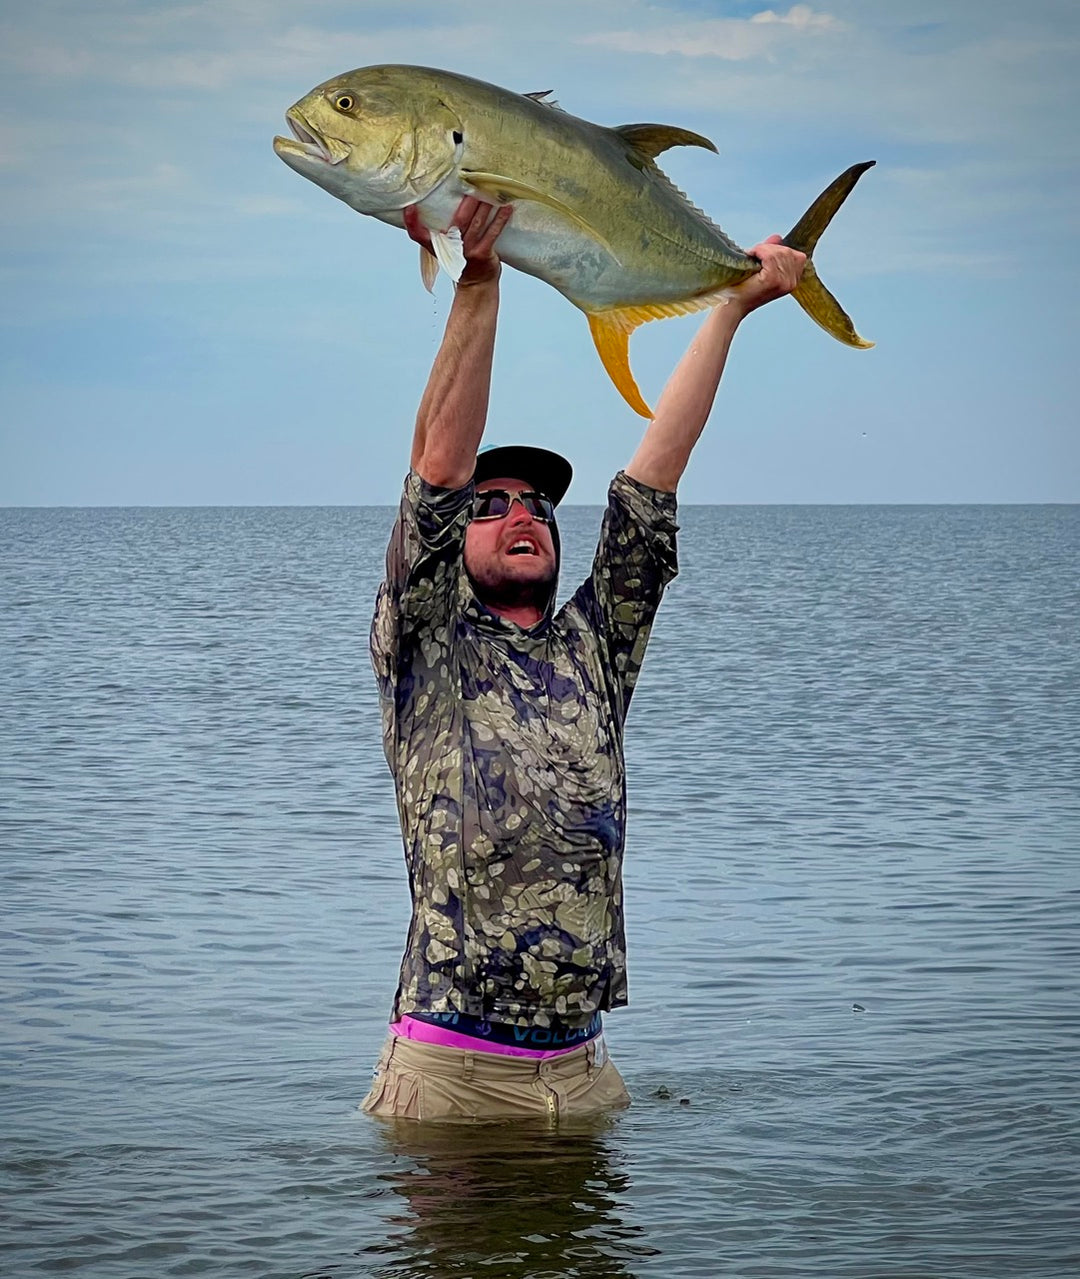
{"x": 611, "y": 335}
{"x": 650, "y": 139}
{"x": 502, "y": 190}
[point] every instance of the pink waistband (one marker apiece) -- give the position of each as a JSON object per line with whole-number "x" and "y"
{"x": 424, "y": 1032}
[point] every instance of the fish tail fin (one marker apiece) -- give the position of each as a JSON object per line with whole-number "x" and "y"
{"x": 814, "y": 298}
{"x": 820, "y": 305}
{"x": 611, "y": 334}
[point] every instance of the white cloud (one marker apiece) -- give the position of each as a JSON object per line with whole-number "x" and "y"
{"x": 155, "y": 120}
{"x": 224, "y": 45}
{"x": 731, "y": 39}
{"x": 799, "y": 15}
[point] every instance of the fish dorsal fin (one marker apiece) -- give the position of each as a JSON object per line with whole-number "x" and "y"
{"x": 543, "y": 96}
{"x": 650, "y": 139}
{"x": 646, "y": 142}
{"x": 611, "y": 335}
{"x": 502, "y": 190}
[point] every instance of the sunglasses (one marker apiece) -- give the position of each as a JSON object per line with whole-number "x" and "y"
{"x": 495, "y": 504}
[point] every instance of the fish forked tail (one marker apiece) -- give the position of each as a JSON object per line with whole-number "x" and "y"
{"x": 611, "y": 329}
{"x": 814, "y": 298}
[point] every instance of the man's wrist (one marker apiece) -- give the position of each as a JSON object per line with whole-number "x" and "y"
{"x": 487, "y": 282}
{"x": 480, "y": 302}
{"x": 731, "y": 313}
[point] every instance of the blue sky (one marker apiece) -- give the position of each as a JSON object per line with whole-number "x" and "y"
{"x": 187, "y": 321}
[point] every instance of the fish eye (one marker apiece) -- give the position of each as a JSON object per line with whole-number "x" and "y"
{"x": 344, "y": 101}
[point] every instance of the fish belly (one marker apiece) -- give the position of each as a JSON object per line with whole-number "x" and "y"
{"x": 641, "y": 268}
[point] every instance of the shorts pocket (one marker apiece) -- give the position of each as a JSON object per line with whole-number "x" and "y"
{"x": 395, "y": 1094}
{"x": 600, "y": 1090}
{"x": 375, "y": 1093}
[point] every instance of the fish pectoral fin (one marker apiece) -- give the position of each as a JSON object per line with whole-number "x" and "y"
{"x": 611, "y": 334}
{"x": 447, "y": 246}
{"x": 429, "y": 269}
{"x": 650, "y": 139}
{"x": 502, "y": 190}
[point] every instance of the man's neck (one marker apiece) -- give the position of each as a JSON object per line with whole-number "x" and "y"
{"x": 524, "y": 615}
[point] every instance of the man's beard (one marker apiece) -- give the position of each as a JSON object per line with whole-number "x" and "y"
{"x": 506, "y": 593}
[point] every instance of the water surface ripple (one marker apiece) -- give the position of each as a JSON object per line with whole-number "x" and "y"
{"x": 853, "y": 907}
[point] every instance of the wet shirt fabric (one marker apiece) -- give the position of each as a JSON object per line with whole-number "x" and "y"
{"x": 506, "y": 747}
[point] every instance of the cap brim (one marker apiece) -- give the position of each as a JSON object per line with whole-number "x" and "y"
{"x": 549, "y": 473}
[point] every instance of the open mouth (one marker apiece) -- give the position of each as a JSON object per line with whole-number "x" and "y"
{"x": 312, "y": 143}
{"x": 522, "y": 547}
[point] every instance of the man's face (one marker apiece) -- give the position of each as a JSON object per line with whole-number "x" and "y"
{"x": 511, "y": 560}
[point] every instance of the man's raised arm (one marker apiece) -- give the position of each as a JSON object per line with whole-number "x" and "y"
{"x": 453, "y": 411}
{"x": 687, "y": 398}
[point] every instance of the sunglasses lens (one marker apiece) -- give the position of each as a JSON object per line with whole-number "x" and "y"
{"x": 493, "y": 504}
{"x": 538, "y": 506}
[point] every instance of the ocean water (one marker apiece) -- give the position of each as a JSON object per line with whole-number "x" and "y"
{"x": 853, "y": 911}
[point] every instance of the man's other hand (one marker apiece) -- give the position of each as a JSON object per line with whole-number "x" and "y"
{"x": 781, "y": 271}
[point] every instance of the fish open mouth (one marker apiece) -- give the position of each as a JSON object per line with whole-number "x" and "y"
{"x": 329, "y": 150}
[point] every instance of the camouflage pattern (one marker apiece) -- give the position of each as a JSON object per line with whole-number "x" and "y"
{"x": 506, "y": 747}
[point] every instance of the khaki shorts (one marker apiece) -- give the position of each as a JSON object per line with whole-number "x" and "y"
{"x": 451, "y": 1085}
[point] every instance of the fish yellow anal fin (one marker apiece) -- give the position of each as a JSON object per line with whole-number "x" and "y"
{"x": 429, "y": 269}
{"x": 650, "y": 139}
{"x": 502, "y": 190}
{"x": 611, "y": 335}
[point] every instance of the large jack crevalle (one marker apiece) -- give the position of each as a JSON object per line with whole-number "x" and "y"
{"x": 595, "y": 217}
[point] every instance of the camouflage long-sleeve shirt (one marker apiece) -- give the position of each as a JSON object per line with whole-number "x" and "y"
{"x": 506, "y": 747}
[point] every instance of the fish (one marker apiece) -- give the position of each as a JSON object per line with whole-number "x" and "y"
{"x": 594, "y": 215}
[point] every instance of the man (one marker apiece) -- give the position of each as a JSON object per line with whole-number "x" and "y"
{"x": 503, "y": 723}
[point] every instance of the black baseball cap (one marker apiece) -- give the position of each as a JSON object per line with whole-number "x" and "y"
{"x": 548, "y": 472}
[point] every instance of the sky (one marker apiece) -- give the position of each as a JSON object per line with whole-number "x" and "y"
{"x": 186, "y": 321}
